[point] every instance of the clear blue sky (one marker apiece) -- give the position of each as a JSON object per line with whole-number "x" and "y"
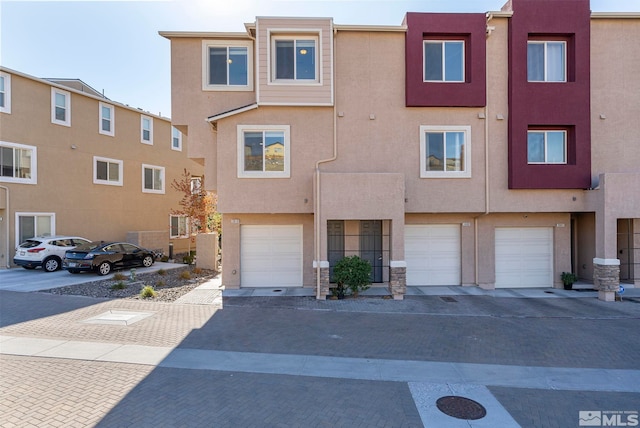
{"x": 114, "y": 45}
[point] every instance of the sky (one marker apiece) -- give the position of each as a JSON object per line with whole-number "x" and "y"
{"x": 114, "y": 45}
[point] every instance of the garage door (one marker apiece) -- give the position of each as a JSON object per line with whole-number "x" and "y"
{"x": 432, "y": 253}
{"x": 524, "y": 257}
{"x": 271, "y": 256}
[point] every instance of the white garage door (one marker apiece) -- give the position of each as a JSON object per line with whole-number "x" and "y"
{"x": 271, "y": 256}
{"x": 524, "y": 257}
{"x": 432, "y": 253}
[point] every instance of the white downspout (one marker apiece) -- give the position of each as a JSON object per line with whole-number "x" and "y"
{"x": 318, "y": 163}
{"x": 6, "y": 189}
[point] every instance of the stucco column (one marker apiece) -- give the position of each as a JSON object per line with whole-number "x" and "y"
{"x": 606, "y": 265}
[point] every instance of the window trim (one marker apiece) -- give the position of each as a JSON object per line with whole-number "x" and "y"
{"x": 442, "y": 42}
{"x": 186, "y": 226}
{"x": 179, "y": 147}
{"x": 7, "y": 93}
{"x": 545, "y": 42}
{"x": 466, "y": 173}
{"x": 108, "y": 182}
{"x": 264, "y": 174}
{"x": 142, "y": 140}
{"x": 67, "y": 107}
{"x": 293, "y": 34}
{"x": 112, "y": 121}
{"x": 153, "y": 168}
{"x": 206, "y": 44}
{"x": 545, "y": 132}
{"x": 34, "y": 164}
{"x": 19, "y": 214}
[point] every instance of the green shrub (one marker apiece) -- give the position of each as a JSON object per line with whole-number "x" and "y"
{"x": 147, "y": 292}
{"x": 120, "y": 285}
{"x": 119, "y": 276}
{"x": 185, "y": 274}
{"x": 187, "y": 260}
{"x": 162, "y": 272}
{"x": 352, "y": 273}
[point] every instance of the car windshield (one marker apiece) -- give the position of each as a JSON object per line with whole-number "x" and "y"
{"x": 30, "y": 243}
{"x": 89, "y": 246}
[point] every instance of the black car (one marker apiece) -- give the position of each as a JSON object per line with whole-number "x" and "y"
{"x": 103, "y": 257}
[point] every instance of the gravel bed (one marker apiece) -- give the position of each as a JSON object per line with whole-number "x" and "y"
{"x": 169, "y": 285}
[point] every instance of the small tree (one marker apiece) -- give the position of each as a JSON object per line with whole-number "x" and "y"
{"x": 352, "y": 272}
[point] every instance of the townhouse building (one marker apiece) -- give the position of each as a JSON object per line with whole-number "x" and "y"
{"x": 77, "y": 163}
{"x": 493, "y": 149}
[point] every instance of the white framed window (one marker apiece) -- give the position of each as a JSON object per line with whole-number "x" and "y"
{"x": 5, "y": 93}
{"x": 547, "y": 147}
{"x": 546, "y": 61}
{"x": 295, "y": 59}
{"x": 227, "y": 65}
{"x": 18, "y": 163}
{"x": 196, "y": 185}
{"x": 107, "y": 119}
{"x": 176, "y": 139}
{"x": 445, "y": 151}
{"x": 146, "y": 129}
{"x": 60, "y": 107}
{"x": 263, "y": 151}
{"x": 443, "y": 61}
{"x": 107, "y": 171}
{"x": 152, "y": 179}
{"x": 30, "y": 224}
{"x": 178, "y": 226}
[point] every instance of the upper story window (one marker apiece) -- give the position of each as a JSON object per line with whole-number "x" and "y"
{"x": 227, "y": 65}
{"x": 196, "y": 185}
{"x": 295, "y": 59}
{"x": 5, "y": 93}
{"x": 152, "y": 179}
{"x": 60, "y": 107}
{"x": 444, "y": 61}
{"x": 107, "y": 119}
{"x": 107, "y": 171}
{"x": 445, "y": 151}
{"x": 146, "y": 130}
{"x": 263, "y": 151}
{"x": 547, "y": 147}
{"x": 176, "y": 139}
{"x": 18, "y": 163}
{"x": 546, "y": 61}
{"x": 178, "y": 225}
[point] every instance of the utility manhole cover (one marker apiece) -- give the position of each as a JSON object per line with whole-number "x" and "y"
{"x": 461, "y": 407}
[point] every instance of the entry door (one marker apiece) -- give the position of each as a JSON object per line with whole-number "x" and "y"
{"x": 371, "y": 246}
{"x": 335, "y": 244}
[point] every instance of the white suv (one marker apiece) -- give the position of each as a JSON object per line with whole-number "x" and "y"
{"x": 45, "y": 251}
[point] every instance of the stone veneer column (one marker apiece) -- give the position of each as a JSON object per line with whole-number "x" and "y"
{"x": 398, "y": 279}
{"x": 606, "y": 278}
{"x": 324, "y": 279}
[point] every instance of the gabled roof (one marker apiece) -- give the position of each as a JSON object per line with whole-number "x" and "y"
{"x": 76, "y": 84}
{"x": 216, "y": 117}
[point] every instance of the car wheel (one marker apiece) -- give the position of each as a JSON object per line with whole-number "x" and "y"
{"x": 104, "y": 268}
{"x": 147, "y": 261}
{"x": 51, "y": 264}
{"x": 29, "y": 267}
{"x": 74, "y": 271}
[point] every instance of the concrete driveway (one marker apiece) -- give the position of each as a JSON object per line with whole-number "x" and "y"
{"x": 19, "y": 279}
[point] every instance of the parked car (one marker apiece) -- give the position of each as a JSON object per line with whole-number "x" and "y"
{"x": 45, "y": 251}
{"x": 103, "y": 257}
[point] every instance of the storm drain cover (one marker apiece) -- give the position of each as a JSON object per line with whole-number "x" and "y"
{"x": 461, "y": 407}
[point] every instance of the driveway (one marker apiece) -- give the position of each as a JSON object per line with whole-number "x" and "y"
{"x": 23, "y": 280}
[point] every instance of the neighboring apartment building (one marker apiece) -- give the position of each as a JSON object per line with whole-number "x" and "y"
{"x": 76, "y": 163}
{"x": 495, "y": 150}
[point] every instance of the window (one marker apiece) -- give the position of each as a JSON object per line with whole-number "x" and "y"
{"x": 107, "y": 119}
{"x": 546, "y": 61}
{"x": 29, "y": 225}
{"x": 152, "y": 179}
{"x": 60, "y": 107}
{"x": 18, "y": 163}
{"x": 176, "y": 139}
{"x": 5, "y": 93}
{"x": 146, "y": 128}
{"x": 107, "y": 171}
{"x": 445, "y": 152}
{"x": 178, "y": 226}
{"x": 196, "y": 185}
{"x": 443, "y": 61}
{"x": 227, "y": 66}
{"x": 263, "y": 151}
{"x": 295, "y": 59}
{"x": 545, "y": 147}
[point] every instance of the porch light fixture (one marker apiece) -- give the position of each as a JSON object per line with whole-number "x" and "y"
{"x": 303, "y": 51}
{"x": 229, "y": 61}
